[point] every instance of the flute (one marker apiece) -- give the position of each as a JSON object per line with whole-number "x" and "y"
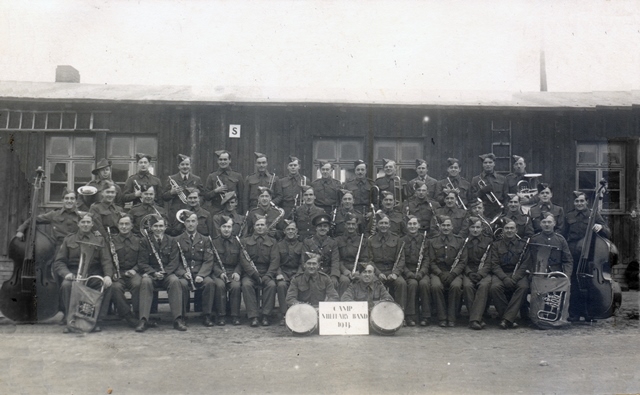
{"x": 186, "y": 267}
{"x": 215, "y": 251}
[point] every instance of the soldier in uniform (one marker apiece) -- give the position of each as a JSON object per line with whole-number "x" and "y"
{"x": 127, "y": 247}
{"x": 345, "y": 210}
{"x": 197, "y": 253}
{"x": 325, "y": 246}
{"x": 102, "y": 174}
{"x": 444, "y": 251}
{"x": 259, "y": 273}
{"x": 146, "y": 207}
{"x": 161, "y": 269}
{"x": 105, "y": 213}
{"x": 63, "y": 221}
{"x": 304, "y": 214}
{"x": 476, "y": 280}
{"x": 290, "y": 186}
{"x": 97, "y": 262}
{"x": 223, "y": 181}
{"x": 311, "y": 286}
{"x": 514, "y": 213}
{"x": 193, "y": 201}
{"x": 385, "y": 252}
{"x": 348, "y": 246}
{"x": 396, "y": 218}
{"x": 132, "y": 191}
{"x": 360, "y": 186}
{"x": 327, "y": 188}
{"x": 509, "y": 282}
{"x": 229, "y": 205}
{"x": 476, "y": 209}
{"x": 367, "y": 288}
{"x": 421, "y": 206}
{"x": 577, "y": 221}
{"x": 265, "y": 209}
{"x": 414, "y": 247}
{"x": 391, "y": 182}
{"x": 178, "y": 185}
{"x": 227, "y": 281}
{"x": 495, "y": 191}
{"x": 455, "y": 214}
{"x": 544, "y": 205}
{"x": 422, "y": 167}
{"x": 454, "y": 182}
{"x": 261, "y": 178}
{"x": 290, "y": 250}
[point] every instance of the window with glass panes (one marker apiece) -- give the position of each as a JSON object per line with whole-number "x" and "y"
{"x": 597, "y": 161}
{"x": 341, "y": 152}
{"x": 121, "y": 151}
{"x": 404, "y": 153}
{"x": 69, "y": 162}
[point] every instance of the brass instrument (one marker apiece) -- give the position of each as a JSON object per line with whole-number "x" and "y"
{"x": 553, "y": 302}
{"x": 527, "y": 190}
{"x": 372, "y": 221}
{"x": 215, "y": 251}
{"x": 395, "y": 264}
{"x": 374, "y": 192}
{"x": 87, "y": 190}
{"x": 515, "y": 269}
{"x": 138, "y": 187}
{"x": 459, "y": 255}
{"x": 153, "y": 249}
{"x": 114, "y": 254}
{"x": 397, "y": 190}
{"x": 491, "y": 196}
{"x": 186, "y": 267}
{"x": 181, "y": 195}
{"x": 248, "y": 257}
{"x": 355, "y": 264}
{"x": 421, "y": 255}
{"x": 272, "y": 180}
{"x": 273, "y": 224}
{"x": 303, "y": 181}
{"x": 459, "y": 201}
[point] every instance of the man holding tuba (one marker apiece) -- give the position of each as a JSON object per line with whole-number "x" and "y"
{"x": 175, "y": 190}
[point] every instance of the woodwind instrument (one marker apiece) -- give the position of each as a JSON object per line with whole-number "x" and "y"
{"x": 215, "y": 251}
{"x": 491, "y": 196}
{"x": 153, "y": 249}
{"x": 114, "y": 254}
{"x": 138, "y": 187}
{"x": 273, "y": 224}
{"x": 421, "y": 255}
{"x": 459, "y": 201}
{"x": 246, "y": 255}
{"x": 244, "y": 223}
{"x": 433, "y": 211}
{"x": 372, "y": 221}
{"x": 181, "y": 194}
{"x": 355, "y": 264}
{"x": 332, "y": 228}
{"x": 484, "y": 257}
{"x": 185, "y": 264}
{"x": 395, "y": 264}
{"x": 515, "y": 269}
{"x": 457, "y": 260}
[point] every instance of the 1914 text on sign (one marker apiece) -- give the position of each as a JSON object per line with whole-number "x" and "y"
{"x": 344, "y": 318}
{"x": 234, "y": 131}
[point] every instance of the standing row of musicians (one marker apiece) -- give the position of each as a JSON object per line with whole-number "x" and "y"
{"x": 272, "y": 238}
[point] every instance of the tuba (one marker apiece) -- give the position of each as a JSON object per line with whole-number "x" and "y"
{"x": 554, "y": 302}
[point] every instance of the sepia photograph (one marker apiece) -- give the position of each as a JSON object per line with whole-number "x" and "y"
{"x": 319, "y": 196}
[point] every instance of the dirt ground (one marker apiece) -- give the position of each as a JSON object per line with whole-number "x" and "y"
{"x": 583, "y": 359}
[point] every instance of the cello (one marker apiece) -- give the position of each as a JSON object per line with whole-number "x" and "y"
{"x": 601, "y": 294}
{"x": 31, "y": 294}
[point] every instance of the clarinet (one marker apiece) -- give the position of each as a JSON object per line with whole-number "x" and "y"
{"x": 484, "y": 257}
{"x": 421, "y": 255}
{"x": 395, "y": 264}
{"x": 186, "y": 267}
{"x": 244, "y": 222}
{"x": 355, "y": 264}
{"x": 155, "y": 252}
{"x": 114, "y": 254}
{"x": 455, "y": 262}
{"x": 521, "y": 257}
{"x": 215, "y": 251}
{"x": 248, "y": 257}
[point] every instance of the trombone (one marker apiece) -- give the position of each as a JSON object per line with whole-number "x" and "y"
{"x": 397, "y": 190}
{"x": 459, "y": 201}
{"x": 491, "y": 196}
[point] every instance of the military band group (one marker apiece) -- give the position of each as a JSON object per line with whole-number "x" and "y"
{"x": 429, "y": 245}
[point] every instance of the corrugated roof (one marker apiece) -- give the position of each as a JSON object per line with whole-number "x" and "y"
{"x": 73, "y": 92}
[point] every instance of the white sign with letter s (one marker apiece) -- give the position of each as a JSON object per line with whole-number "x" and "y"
{"x": 234, "y": 131}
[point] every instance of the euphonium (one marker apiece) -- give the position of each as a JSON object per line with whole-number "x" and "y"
{"x": 553, "y": 302}
{"x": 181, "y": 195}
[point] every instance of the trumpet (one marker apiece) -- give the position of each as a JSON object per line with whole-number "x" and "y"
{"x": 491, "y": 196}
{"x": 181, "y": 195}
{"x": 303, "y": 181}
{"x": 272, "y": 180}
{"x": 459, "y": 201}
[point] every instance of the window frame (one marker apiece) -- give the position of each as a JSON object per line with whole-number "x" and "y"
{"x": 600, "y": 167}
{"x": 404, "y": 164}
{"x": 343, "y": 167}
{"x": 70, "y": 160}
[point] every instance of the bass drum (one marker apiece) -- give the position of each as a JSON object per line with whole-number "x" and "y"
{"x": 301, "y": 319}
{"x": 386, "y": 318}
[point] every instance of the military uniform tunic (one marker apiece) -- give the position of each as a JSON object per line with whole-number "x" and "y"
{"x": 233, "y": 181}
{"x": 384, "y": 251}
{"x": 229, "y": 251}
{"x": 63, "y": 223}
{"x": 373, "y": 292}
{"x": 412, "y": 245}
{"x": 263, "y": 252}
{"x": 429, "y": 181}
{"x": 476, "y": 293}
{"x": 505, "y": 255}
{"x": 290, "y": 191}
{"x": 127, "y": 249}
{"x": 105, "y": 215}
{"x": 199, "y": 257}
{"x": 143, "y": 178}
{"x": 303, "y": 216}
{"x": 535, "y": 213}
{"x": 138, "y": 212}
{"x": 442, "y": 253}
{"x": 174, "y": 202}
{"x": 459, "y": 182}
{"x": 327, "y": 247}
{"x": 327, "y": 191}
{"x": 499, "y": 186}
{"x": 251, "y": 191}
{"x": 311, "y": 289}
{"x": 524, "y": 225}
{"x": 361, "y": 190}
{"x": 290, "y": 252}
{"x": 424, "y": 209}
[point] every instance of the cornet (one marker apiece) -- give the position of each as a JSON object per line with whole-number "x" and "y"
{"x": 491, "y": 196}
{"x": 181, "y": 195}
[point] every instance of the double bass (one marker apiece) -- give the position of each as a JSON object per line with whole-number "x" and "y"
{"x": 601, "y": 294}
{"x": 31, "y": 294}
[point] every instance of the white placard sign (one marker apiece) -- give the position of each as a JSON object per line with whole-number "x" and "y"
{"x": 344, "y": 318}
{"x": 234, "y": 131}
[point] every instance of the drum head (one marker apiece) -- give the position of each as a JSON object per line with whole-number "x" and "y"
{"x": 386, "y": 318}
{"x": 301, "y": 319}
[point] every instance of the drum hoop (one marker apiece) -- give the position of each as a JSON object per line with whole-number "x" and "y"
{"x": 376, "y": 327}
{"x": 300, "y": 307}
